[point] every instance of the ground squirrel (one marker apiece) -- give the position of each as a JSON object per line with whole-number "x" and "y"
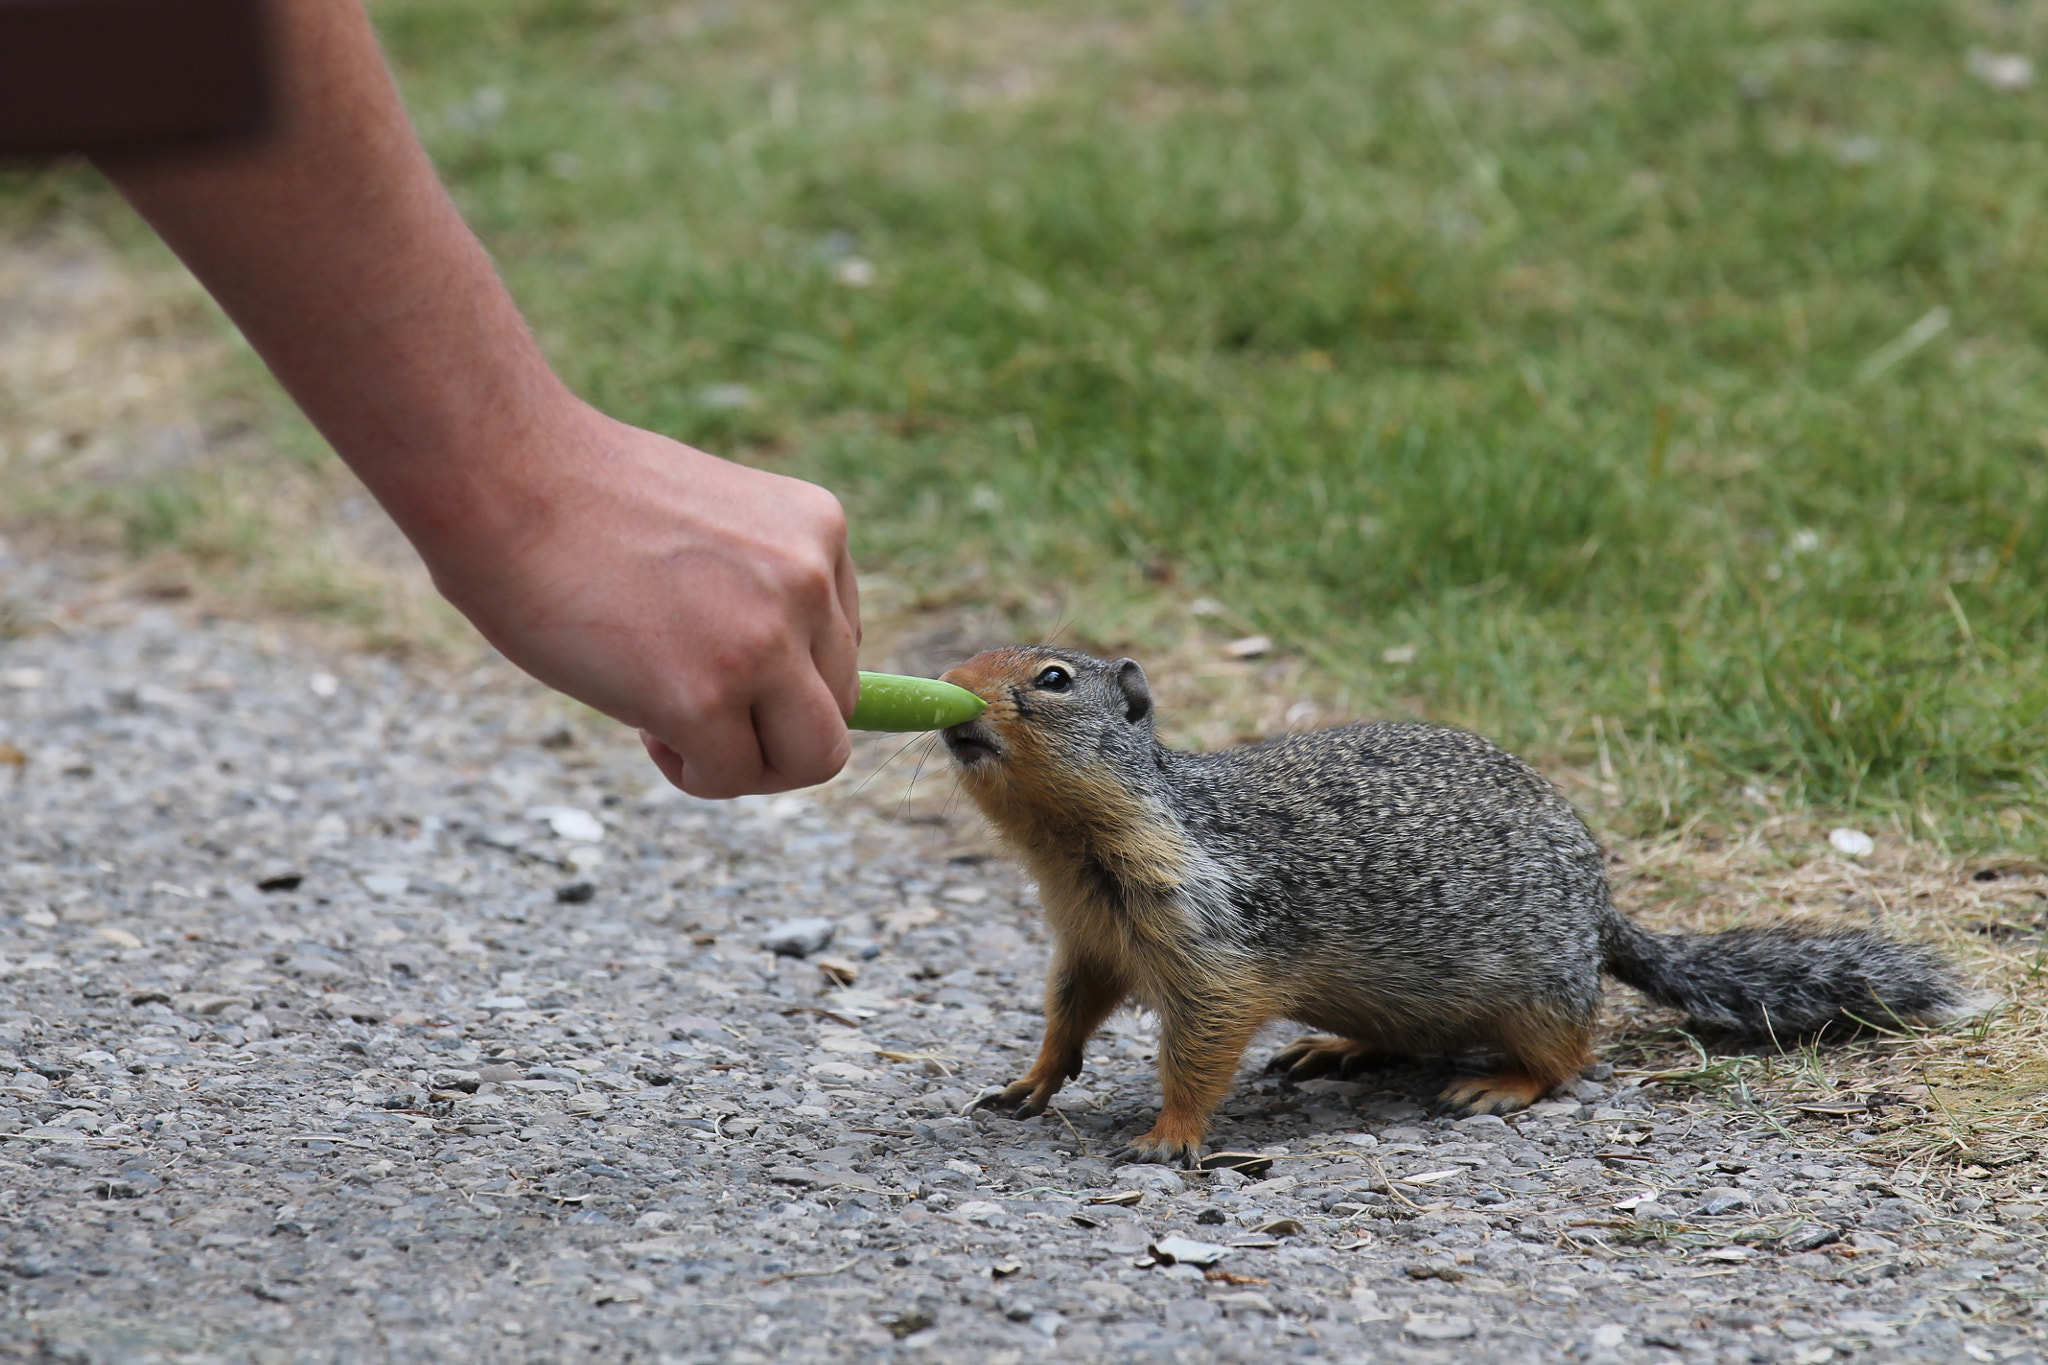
{"x": 1408, "y": 888}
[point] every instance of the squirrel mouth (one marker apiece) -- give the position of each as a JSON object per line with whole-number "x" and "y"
{"x": 970, "y": 744}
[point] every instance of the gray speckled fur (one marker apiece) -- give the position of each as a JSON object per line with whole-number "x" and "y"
{"x": 1434, "y": 859}
{"x": 1451, "y": 870}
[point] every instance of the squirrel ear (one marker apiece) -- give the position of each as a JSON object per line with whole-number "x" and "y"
{"x": 1130, "y": 680}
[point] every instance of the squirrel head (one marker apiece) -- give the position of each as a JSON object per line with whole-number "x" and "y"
{"x": 1058, "y": 721}
{"x": 1065, "y": 766}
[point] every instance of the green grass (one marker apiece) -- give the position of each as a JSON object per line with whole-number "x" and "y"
{"x": 1560, "y": 342}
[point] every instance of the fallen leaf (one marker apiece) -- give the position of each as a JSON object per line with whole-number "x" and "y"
{"x": 1244, "y": 1163}
{"x": 838, "y": 970}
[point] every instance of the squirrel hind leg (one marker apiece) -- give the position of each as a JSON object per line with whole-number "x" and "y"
{"x": 1325, "y": 1054}
{"x": 1541, "y": 1057}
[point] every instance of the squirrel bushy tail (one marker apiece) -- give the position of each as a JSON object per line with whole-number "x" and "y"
{"x": 1782, "y": 982}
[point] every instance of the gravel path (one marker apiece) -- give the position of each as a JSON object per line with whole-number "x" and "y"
{"x": 349, "y": 1013}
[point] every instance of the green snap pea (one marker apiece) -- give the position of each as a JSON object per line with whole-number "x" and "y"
{"x": 889, "y": 701}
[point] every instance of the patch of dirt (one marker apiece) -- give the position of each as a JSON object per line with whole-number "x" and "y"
{"x": 98, "y": 360}
{"x": 135, "y": 429}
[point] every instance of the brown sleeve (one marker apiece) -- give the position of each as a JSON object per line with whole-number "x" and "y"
{"x": 108, "y": 75}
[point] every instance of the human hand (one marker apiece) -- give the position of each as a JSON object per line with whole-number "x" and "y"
{"x": 710, "y": 605}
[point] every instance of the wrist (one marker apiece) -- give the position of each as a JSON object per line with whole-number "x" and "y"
{"x": 472, "y": 492}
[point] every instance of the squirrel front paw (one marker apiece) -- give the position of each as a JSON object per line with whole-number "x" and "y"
{"x": 1023, "y": 1099}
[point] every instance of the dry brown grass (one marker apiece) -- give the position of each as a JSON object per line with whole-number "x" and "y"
{"x": 1964, "y": 1102}
{"x": 136, "y": 430}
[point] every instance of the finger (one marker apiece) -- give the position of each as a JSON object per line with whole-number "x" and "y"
{"x": 780, "y": 728}
{"x": 716, "y": 756}
{"x": 666, "y": 759}
{"x": 803, "y": 737}
{"x": 835, "y": 650}
{"x": 848, "y": 582}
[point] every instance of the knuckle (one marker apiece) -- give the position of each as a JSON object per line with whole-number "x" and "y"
{"x": 806, "y": 569}
{"x": 825, "y": 508}
{"x": 737, "y": 661}
{"x": 812, "y": 581}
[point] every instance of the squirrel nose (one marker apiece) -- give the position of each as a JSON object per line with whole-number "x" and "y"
{"x": 969, "y": 677}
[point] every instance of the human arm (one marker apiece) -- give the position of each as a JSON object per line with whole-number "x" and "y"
{"x": 710, "y": 605}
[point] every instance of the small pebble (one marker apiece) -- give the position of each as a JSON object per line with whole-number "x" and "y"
{"x": 1448, "y": 1328}
{"x": 571, "y": 823}
{"x": 798, "y": 937}
{"x": 1720, "y": 1199}
{"x": 1853, "y": 843}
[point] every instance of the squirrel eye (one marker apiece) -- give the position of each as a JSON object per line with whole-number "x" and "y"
{"x": 1053, "y": 680}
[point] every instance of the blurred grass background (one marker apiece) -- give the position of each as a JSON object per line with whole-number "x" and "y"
{"x": 1656, "y": 387}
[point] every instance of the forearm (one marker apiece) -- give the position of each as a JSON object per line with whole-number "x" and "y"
{"x": 333, "y": 246}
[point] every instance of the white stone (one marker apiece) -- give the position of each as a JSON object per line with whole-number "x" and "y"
{"x": 1187, "y": 1251}
{"x": 570, "y": 823}
{"x": 2007, "y": 71}
{"x": 1440, "y": 1329}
